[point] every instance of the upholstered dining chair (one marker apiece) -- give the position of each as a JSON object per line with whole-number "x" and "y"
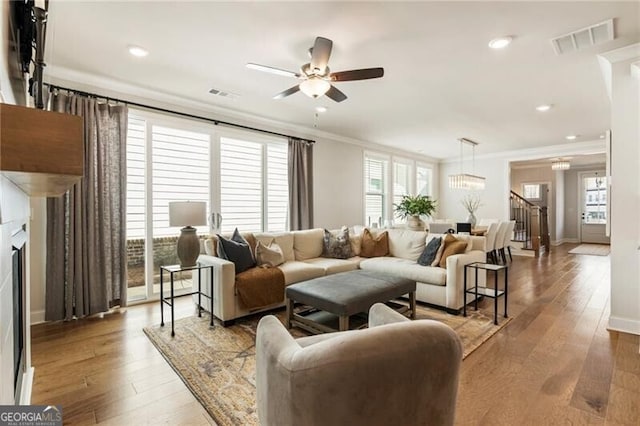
{"x": 508, "y": 236}
{"x": 397, "y": 371}
{"x": 499, "y": 246}
{"x": 487, "y": 221}
{"x": 490, "y": 242}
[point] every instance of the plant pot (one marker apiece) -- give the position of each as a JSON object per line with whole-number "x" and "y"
{"x": 415, "y": 223}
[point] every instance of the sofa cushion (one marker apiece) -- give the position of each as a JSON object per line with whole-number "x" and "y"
{"x": 406, "y": 243}
{"x": 237, "y": 250}
{"x": 211, "y": 243}
{"x": 284, "y": 240}
{"x": 429, "y": 254}
{"x": 300, "y": 271}
{"x": 307, "y": 244}
{"x": 270, "y": 255}
{"x": 452, "y": 245}
{"x": 374, "y": 246}
{"x": 336, "y": 244}
{"x": 406, "y": 268}
{"x": 333, "y": 266}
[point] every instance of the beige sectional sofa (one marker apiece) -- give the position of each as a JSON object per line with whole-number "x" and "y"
{"x": 302, "y": 252}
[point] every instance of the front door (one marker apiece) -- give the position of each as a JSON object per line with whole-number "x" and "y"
{"x": 593, "y": 207}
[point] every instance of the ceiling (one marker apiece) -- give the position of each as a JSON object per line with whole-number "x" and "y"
{"x": 441, "y": 80}
{"x": 577, "y": 161}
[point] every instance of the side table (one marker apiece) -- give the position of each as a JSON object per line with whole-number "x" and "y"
{"x": 172, "y": 270}
{"x": 494, "y": 293}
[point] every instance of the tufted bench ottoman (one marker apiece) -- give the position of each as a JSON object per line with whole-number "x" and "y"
{"x": 345, "y": 294}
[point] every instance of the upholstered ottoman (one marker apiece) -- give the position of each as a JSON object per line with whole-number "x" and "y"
{"x": 345, "y": 294}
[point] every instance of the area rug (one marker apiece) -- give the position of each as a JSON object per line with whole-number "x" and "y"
{"x": 218, "y": 364}
{"x": 592, "y": 249}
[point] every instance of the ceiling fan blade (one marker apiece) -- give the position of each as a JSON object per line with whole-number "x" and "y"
{"x": 336, "y": 94}
{"x": 320, "y": 53}
{"x": 351, "y": 75}
{"x": 272, "y": 70}
{"x": 289, "y": 91}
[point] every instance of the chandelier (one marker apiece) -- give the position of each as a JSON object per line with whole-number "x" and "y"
{"x": 465, "y": 180}
{"x": 560, "y": 165}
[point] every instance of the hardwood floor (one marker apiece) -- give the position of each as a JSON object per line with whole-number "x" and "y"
{"x": 554, "y": 363}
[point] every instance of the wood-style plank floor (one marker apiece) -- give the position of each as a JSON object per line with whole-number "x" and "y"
{"x": 554, "y": 363}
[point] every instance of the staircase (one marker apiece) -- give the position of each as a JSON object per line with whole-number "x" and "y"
{"x": 532, "y": 225}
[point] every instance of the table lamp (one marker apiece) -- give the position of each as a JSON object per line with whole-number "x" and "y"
{"x": 188, "y": 214}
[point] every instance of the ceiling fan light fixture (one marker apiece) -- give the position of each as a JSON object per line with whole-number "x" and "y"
{"x": 314, "y": 87}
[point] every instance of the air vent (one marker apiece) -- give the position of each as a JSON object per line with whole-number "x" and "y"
{"x": 224, "y": 94}
{"x": 584, "y": 38}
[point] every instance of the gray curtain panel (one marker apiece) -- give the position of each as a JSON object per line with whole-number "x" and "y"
{"x": 86, "y": 239}
{"x": 300, "y": 184}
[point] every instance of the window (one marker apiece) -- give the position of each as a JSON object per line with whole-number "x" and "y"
{"x": 423, "y": 180}
{"x": 254, "y": 188}
{"x": 241, "y": 175}
{"x": 596, "y": 200}
{"x": 401, "y": 183}
{"x": 375, "y": 183}
{"x": 531, "y": 191}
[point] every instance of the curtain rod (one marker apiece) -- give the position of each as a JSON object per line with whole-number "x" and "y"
{"x": 168, "y": 111}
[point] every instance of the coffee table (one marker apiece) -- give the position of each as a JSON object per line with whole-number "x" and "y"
{"x": 346, "y": 294}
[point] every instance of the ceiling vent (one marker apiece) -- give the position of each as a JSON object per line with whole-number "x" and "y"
{"x": 224, "y": 94}
{"x": 584, "y": 38}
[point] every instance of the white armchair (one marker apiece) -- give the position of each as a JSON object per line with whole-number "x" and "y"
{"x": 396, "y": 372}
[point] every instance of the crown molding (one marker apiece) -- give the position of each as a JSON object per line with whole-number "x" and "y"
{"x": 548, "y": 151}
{"x": 110, "y": 87}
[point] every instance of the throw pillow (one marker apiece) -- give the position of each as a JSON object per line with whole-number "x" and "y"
{"x": 270, "y": 255}
{"x": 451, "y": 246}
{"x": 336, "y": 245}
{"x": 236, "y": 250}
{"x": 429, "y": 254}
{"x": 436, "y": 260}
{"x": 374, "y": 247}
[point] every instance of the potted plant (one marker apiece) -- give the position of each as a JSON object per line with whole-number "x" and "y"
{"x": 411, "y": 207}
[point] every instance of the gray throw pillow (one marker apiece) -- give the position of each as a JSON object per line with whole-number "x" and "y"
{"x": 236, "y": 250}
{"x": 337, "y": 246}
{"x": 429, "y": 253}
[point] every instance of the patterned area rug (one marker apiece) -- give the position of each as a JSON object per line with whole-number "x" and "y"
{"x": 218, "y": 364}
{"x": 593, "y": 249}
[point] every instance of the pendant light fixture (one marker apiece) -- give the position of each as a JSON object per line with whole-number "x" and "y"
{"x": 560, "y": 164}
{"x": 465, "y": 180}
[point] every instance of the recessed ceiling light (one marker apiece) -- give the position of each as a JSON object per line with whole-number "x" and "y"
{"x": 601, "y": 136}
{"x": 572, "y": 137}
{"x": 543, "y": 108}
{"x": 321, "y": 109}
{"x": 500, "y": 42}
{"x": 138, "y": 51}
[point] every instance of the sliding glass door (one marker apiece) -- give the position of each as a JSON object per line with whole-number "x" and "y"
{"x": 241, "y": 176}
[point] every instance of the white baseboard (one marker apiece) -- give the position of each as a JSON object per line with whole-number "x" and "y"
{"x": 565, "y": 240}
{"x": 27, "y": 387}
{"x": 625, "y": 325}
{"x": 37, "y": 317}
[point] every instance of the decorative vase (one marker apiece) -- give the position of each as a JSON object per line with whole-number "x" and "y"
{"x": 472, "y": 220}
{"x": 415, "y": 223}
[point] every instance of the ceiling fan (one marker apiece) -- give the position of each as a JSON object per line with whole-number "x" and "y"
{"x": 316, "y": 76}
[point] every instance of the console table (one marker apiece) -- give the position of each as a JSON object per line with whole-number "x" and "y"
{"x": 494, "y": 293}
{"x": 172, "y": 270}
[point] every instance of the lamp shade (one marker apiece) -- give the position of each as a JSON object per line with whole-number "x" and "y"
{"x": 187, "y": 213}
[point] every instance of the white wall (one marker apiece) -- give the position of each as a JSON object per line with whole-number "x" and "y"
{"x": 571, "y": 207}
{"x": 625, "y": 198}
{"x": 38, "y": 252}
{"x": 559, "y": 206}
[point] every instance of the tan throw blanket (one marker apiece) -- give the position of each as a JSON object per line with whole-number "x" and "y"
{"x": 258, "y": 287}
